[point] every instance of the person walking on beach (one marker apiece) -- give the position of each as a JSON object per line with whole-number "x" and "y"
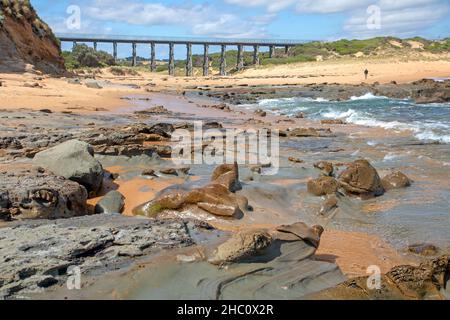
{"x": 366, "y": 73}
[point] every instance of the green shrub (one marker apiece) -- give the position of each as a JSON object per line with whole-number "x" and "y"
{"x": 84, "y": 56}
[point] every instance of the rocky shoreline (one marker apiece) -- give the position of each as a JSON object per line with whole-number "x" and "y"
{"x": 55, "y": 164}
{"x": 424, "y": 91}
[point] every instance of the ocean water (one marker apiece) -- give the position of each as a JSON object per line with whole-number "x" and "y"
{"x": 429, "y": 122}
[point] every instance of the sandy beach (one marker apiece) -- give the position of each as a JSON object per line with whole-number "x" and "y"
{"x": 351, "y": 249}
{"x": 58, "y": 95}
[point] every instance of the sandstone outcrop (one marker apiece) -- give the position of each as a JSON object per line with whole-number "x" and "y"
{"x": 242, "y": 245}
{"x": 26, "y": 41}
{"x": 395, "y": 180}
{"x": 322, "y": 186}
{"x": 426, "y": 281}
{"x": 361, "y": 179}
{"x": 28, "y": 192}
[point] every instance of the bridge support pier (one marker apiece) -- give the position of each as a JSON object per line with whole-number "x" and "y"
{"x": 256, "y": 55}
{"x": 134, "y": 55}
{"x": 286, "y": 49}
{"x": 74, "y": 44}
{"x": 95, "y": 46}
{"x": 223, "y": 60}
{"x": 115, "y": 51}
{"x": 271, "y": 51}
{"x": 240, "y": 58}
{"x": 206, "y": 60}
{"x": 189, "y": 60}
{"x": 152, "y": 57}
{"x": 171, "y": 60}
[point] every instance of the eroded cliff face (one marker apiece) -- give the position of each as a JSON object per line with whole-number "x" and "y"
{"x": 26, "y": 42}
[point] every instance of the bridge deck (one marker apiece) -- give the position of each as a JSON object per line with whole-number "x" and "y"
{"x": 175, "y": 40}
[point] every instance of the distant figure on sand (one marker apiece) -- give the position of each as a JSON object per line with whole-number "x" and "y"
{"x": 366, "y": 73}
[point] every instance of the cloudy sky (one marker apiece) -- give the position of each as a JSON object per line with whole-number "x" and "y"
{"x": 273, "y": 19}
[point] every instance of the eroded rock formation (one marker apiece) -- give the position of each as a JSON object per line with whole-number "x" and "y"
{"x": 26, "y": 40}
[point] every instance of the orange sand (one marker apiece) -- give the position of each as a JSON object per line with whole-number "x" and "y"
{"x": 354, "y": 252}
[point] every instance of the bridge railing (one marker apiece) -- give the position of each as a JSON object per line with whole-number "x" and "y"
{"x": 180, "y": 40}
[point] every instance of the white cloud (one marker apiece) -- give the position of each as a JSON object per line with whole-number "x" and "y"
{"x": 399, "y": 19}
{"x": 270, "y": 5}
{"x": 201, "y": 19}
{"x": 330, "y": 6}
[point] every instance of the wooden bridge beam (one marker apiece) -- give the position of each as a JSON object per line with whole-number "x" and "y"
{"x": 134, "y": 55}
{"x": 256, "y": 55}
{"x": 271, "y": 51}
{"x": 171, "y": 59}
{"x": 189, "y": 60}
{"x": 206, "y": 60}
{"x": 152, "y": 57}
{"x": 240, "y": 58}
{"x": 223, "y": 60}
{"x": 115, "y": 51}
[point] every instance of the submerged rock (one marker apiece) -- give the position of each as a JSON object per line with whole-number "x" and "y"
{"x": 112, "y": 202}
{"x": 295, "y": 160}
{"x": 176, "y": 171}
{"x": 423, "y": 249}
{"x": 325, "y": 167}
{"x": 322, "y": 186}
{"x": 73, "y": 160}
{"x": 328, "y": 205}
{"x": 260, "y": 113}
{"x": 310, "y": 132}
{"x": 332, "y": 121}
{"x": 241, "y": 246}
{"x": 28, "y": 192}
{"x": 395, "y": 180}
{"x": 361, "y": 179}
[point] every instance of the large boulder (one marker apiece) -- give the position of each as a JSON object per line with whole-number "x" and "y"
{"x": 73, "y": 160}
{"x": 28, "y": 192}
{"x": 215, "y": 199}
{"x": 322, "y": 186}
{"x": 228, "y": 176}
{"x": 240, "y": 246}
{"x": 395, "y": 180}
{"x": 361, "y": 179}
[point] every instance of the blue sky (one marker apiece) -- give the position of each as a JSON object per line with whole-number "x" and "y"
{"x": 274, "y": 19}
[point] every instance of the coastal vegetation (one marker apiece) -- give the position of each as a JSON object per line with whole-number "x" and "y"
{"x": 312, "y": 51}
{"x": 83, "y": 56}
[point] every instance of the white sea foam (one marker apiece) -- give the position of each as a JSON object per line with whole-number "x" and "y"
{"x": 431, "y": 136}
{"x": 337, "y": 114}
{"x": 367, "y": 96}
{"x": 391, "y": 156}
